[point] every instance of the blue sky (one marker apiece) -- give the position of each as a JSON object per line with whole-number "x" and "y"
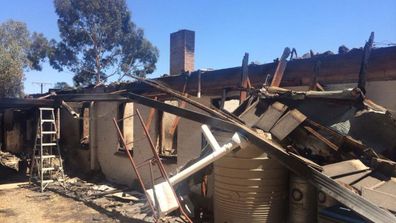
{"x": 226, "y": 29}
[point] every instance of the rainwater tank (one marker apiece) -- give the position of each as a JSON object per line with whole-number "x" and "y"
{"x": 249, "y": 187}
{"x": 302, "y": 200}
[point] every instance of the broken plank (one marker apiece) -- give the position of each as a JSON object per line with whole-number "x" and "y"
{"x": 268, "y": 119}
{"x": 316, "y": 73}
{"x": 287, "y": 123}
{"x": 382, "y": 199}
{"x": 13, "y": 185}
{"x": 308, "y": 162}
{"x": 343, "y": 168}
{"x": 280, "y": 69}
{"x": 244, "y": 78}
{"x": 321, "y": 138}
{"x": 363, "y": 66}
{"x": 249, "y": 116}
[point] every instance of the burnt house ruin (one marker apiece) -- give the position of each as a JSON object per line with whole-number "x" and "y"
{"x": 316, "y": 136}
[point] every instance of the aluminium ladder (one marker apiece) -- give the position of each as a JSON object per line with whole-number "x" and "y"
{"x": 46, "y": 161}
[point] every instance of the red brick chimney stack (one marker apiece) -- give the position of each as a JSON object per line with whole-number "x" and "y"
{"x": 182, "y": 47}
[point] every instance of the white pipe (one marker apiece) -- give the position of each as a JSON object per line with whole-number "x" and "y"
{"x": 210, "y": 137}
{"x": 236, "y": 141}
{"x": 167, "y": 202}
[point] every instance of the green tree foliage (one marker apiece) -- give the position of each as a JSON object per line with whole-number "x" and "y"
{"x": 99, "y": 40}
{"x": 19, "y": 51}
{"x": 11, "y": 75}
{"x": 62, "y": 86}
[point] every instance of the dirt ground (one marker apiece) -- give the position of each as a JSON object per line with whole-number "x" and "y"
{"x": 25, "y": 205}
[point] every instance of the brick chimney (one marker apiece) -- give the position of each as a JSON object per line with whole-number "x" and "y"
{"x": 182, "y": 46}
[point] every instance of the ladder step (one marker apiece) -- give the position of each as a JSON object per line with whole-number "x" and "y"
{"x": 45, "y": 156}
{"x": 46, "y": 109}
{"x": 48, "y": 156}
{"x": 48, "y": 169}
{"x": 48, "y": 132}
{"x": 48, "y": 144}
{"x": 47, "y": 120}
{"x": 46, "y": 181}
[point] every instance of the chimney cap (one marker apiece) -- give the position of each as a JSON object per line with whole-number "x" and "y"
{"x": 183, "y": 30}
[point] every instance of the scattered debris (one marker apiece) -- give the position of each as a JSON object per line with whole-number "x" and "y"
{"x": 115, "y": 201}
{"x": 9, "y": 160}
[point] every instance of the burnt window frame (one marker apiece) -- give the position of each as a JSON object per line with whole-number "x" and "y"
{"x": 172, "y": 158}
{"x": 120, "y": 121}
{"x": 84, "y": 131}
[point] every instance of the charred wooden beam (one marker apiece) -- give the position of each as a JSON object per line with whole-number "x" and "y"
{"x": 363, "y": 65}
{"x": 19, "y": 103}
{"x": 91, "y": 97}
{"x": 316, "y": 74}
{"x": 280, "y": 68}
{"x": 244, "y": 77}
{"x": 334, "y": 69}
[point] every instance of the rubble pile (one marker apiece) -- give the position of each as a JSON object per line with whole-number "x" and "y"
{"x": 341, "y": 133}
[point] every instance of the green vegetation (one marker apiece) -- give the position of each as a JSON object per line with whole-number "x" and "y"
{"x": 99, "y": 40}
{"x": 19, "y": 51}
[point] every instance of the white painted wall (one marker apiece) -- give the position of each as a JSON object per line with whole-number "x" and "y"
{"x": 115, "y": 165}
{"x": 116, "y": 168}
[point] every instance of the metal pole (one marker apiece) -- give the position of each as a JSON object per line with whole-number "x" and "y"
{"x": 134, "y": 165}
{"x": 160, "y": 166}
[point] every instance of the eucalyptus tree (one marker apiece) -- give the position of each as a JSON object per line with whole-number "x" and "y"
{"x": 98, "y": 40}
